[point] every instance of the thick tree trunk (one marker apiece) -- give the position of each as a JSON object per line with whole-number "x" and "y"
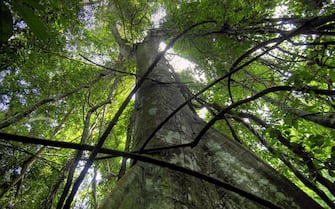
{"x": 150, "y": 186}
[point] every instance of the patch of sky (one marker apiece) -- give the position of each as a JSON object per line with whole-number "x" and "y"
{"x": 4, "y": 99}
{"x": 23, "y": 83}
{"x": 180, "y": 63}
{"x": 157, "y": 18}
{"x": 87, "y": 15}
{"x": 28, "y": 127}
{"x": 34, "y": 91}
{"x": 202, "y": 113}
{"x": 82, "y": 201}
{"x": 3, "y": 74}
{"x": 21, "y": 24}
{"x": 4, "y": 103}
{"x": 282, "y": 11}
{"x": 21, "y": 98}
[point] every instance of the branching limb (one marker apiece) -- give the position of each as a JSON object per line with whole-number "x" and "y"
{"x": 232, "y": 130}
{"x": 130, "y": 131}
{"x": 127, "y": 73}
{"x": 324, "y": 119}
{"x": 220, "y": 115}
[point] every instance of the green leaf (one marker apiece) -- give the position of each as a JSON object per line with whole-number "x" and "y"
{"x": 35, "y": 23}
{"x": 6, "y": 24}
{"x": 316, "y": 140}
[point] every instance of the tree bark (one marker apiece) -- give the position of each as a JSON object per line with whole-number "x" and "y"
{"x": 150, "y": 186}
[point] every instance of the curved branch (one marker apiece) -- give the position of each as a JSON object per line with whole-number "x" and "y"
{"x": 325, "y": 121}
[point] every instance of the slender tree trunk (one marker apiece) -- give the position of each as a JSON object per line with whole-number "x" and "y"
{"x": 149, "y": 186}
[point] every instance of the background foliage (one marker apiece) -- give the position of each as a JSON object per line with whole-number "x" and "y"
{"x": 51, "y": 88}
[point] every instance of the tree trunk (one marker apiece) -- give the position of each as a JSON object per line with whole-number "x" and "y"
{"x": 150, "y": 186}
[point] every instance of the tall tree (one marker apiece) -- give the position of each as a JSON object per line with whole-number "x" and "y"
{"x": 267, "y": 74}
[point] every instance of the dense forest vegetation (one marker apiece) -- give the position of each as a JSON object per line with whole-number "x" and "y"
{"x": 180, "y": 104}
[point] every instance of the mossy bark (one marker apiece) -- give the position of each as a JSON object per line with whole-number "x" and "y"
{"x": 150, "y": 186}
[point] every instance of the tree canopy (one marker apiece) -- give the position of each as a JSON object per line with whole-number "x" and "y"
{"x": 262, "y": 72}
